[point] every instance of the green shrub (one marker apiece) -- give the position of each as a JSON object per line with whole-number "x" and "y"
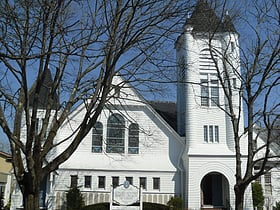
{"x": 277, "y": 206}
{"x": 146, "y": 206}
{"x": 98, "y": 206}
{"x": 175, "y": 203}
{"x": 153, "y": 206}
{"x": 258, "y": 198}
{"x": 74, "y": 199}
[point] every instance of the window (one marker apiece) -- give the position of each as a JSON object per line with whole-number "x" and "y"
{"x": 216, "y": 133}
{"x": 115, "y": 181}
{"x": 204, "y": 92}
{"x": 129, "y": 179}
{"x": 156, "y": 183}
{"x": 205, "y": 127}
{"x": 97, "y": 137}
{"x": 87, "y": 181}
{"x": 209, "y": 92}
{"x": 234, "y": 83}
{"x": 133, "y": 139}
{"x": 101, "y": 182}
{"x": 115, "y": 134}
{"x": 232, "y": 46}
{"x": 211, "y": 136}
{"x": 74, "y": 181}
{"x": 211, "y": 133}
{"x": 117, "y": 91}
{"x": 143, "y": 182}
{"x": 267, "y": 183}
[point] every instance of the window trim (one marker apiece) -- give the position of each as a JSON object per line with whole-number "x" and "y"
{"x": 97, "y": 135}
{"x": 115, "y": 181}
{"x": 133, "y": 138}
{"x": 73, "y": 181}
{"x": 211, "y": 134}
{"x": 101, "y": 182}
{"x": 87, "y": 185}
{"x": 115, "y": 134}
{"x": 156, "y": 183}
{"x": 144, "y": 187}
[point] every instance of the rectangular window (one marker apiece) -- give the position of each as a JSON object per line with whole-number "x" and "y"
{"x": 156, "y": 183}
{"x": 211, "y": 135}
{"x": 143, "y": 182}
{"x": 205, "y": 127}
{"x": 204, "y": 92}
{"x": 115, "y": 181}
{"x": 267, "y": 183}
{"x": 216, "y": 133}
{"x": 129, "y": 179}
{"x": 101, "y": 182}
{"x": 74, "y": 181}
{"x": 87, "y": 182}
{"x": 97, "y": 137}
{"x": 232, "y": 46}
{"x": 209, "y": 89}
{"x": 214, "y": 93}
{"x": 234, "y": 83}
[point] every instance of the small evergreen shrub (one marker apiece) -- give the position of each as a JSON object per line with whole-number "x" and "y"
{"x": 277, "y": 206}
{"x": 175, "y": 203}
{"x": 74, "y": 199}
{"x": 153, "y": 206}
{"x": 98, "y": 206}
{"x": 258, "y": 198}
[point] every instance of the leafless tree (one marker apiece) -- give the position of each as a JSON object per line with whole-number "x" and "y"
{"x": 81, "y": 44}
{"x": 256, "y": 87}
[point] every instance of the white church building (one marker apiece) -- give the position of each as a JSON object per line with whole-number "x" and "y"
{"x": 184, "y": 149}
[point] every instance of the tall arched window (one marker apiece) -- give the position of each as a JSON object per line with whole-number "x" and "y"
{"x": 115, "y": 134}
{"x": 208, "y": 67}
{"x": 133, "y": 139}
{"x": 97, "y": 137}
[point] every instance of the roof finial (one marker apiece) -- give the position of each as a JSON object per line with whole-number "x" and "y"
{"x": 227, "y": 12}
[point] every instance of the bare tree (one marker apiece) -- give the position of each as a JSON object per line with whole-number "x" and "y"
{"x": 81, "y": 45}
{"x": 255, "y": 83}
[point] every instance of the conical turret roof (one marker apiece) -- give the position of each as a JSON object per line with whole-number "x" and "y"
{"x": 228, "y": 25}
{"x": 204, "y": 19}
{"x": 44, "y": 92}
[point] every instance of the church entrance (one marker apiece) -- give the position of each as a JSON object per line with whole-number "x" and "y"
{"x": 214, "y": 192}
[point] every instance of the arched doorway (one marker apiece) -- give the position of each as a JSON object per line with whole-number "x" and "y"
{"x": 214, "y": 191}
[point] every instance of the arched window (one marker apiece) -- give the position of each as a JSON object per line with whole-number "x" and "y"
{"x": 208, "y": 78}
{"x": 97, "y": 137}
{"x": 133, "y": 139}
{"x": 115, "y": 134}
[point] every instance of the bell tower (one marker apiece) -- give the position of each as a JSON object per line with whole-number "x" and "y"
{"x": 209, "y": 158}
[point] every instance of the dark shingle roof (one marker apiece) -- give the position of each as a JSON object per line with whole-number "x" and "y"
{"x": 167, "y": 110}
{"x": 43, "y": 94}
{"x": 204, "y": 19}
{"x": 228, "y": 25}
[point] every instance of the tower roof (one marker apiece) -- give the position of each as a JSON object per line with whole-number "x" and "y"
{"x": 44, "y": 91}
{"x": 204, "y": 19}
{"x": 228, "y": 25}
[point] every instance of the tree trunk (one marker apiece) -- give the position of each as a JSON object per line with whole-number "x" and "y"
{"x": 30, "y": 189}
{"x": 31, "y": 201}
{"x": 239, "y": 197}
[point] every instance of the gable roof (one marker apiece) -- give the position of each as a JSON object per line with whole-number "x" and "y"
{"x": 43, "y": 94}
{"x": 204, "y": 19}
{"x": 167, "y": 110}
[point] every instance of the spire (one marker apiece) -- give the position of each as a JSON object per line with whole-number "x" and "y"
{"x": 204, "y": 19}
{"x": 43, "y": 94}
{"x": 228, "y": 25}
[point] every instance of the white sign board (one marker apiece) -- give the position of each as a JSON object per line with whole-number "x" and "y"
{"x": 125, "y": 195}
